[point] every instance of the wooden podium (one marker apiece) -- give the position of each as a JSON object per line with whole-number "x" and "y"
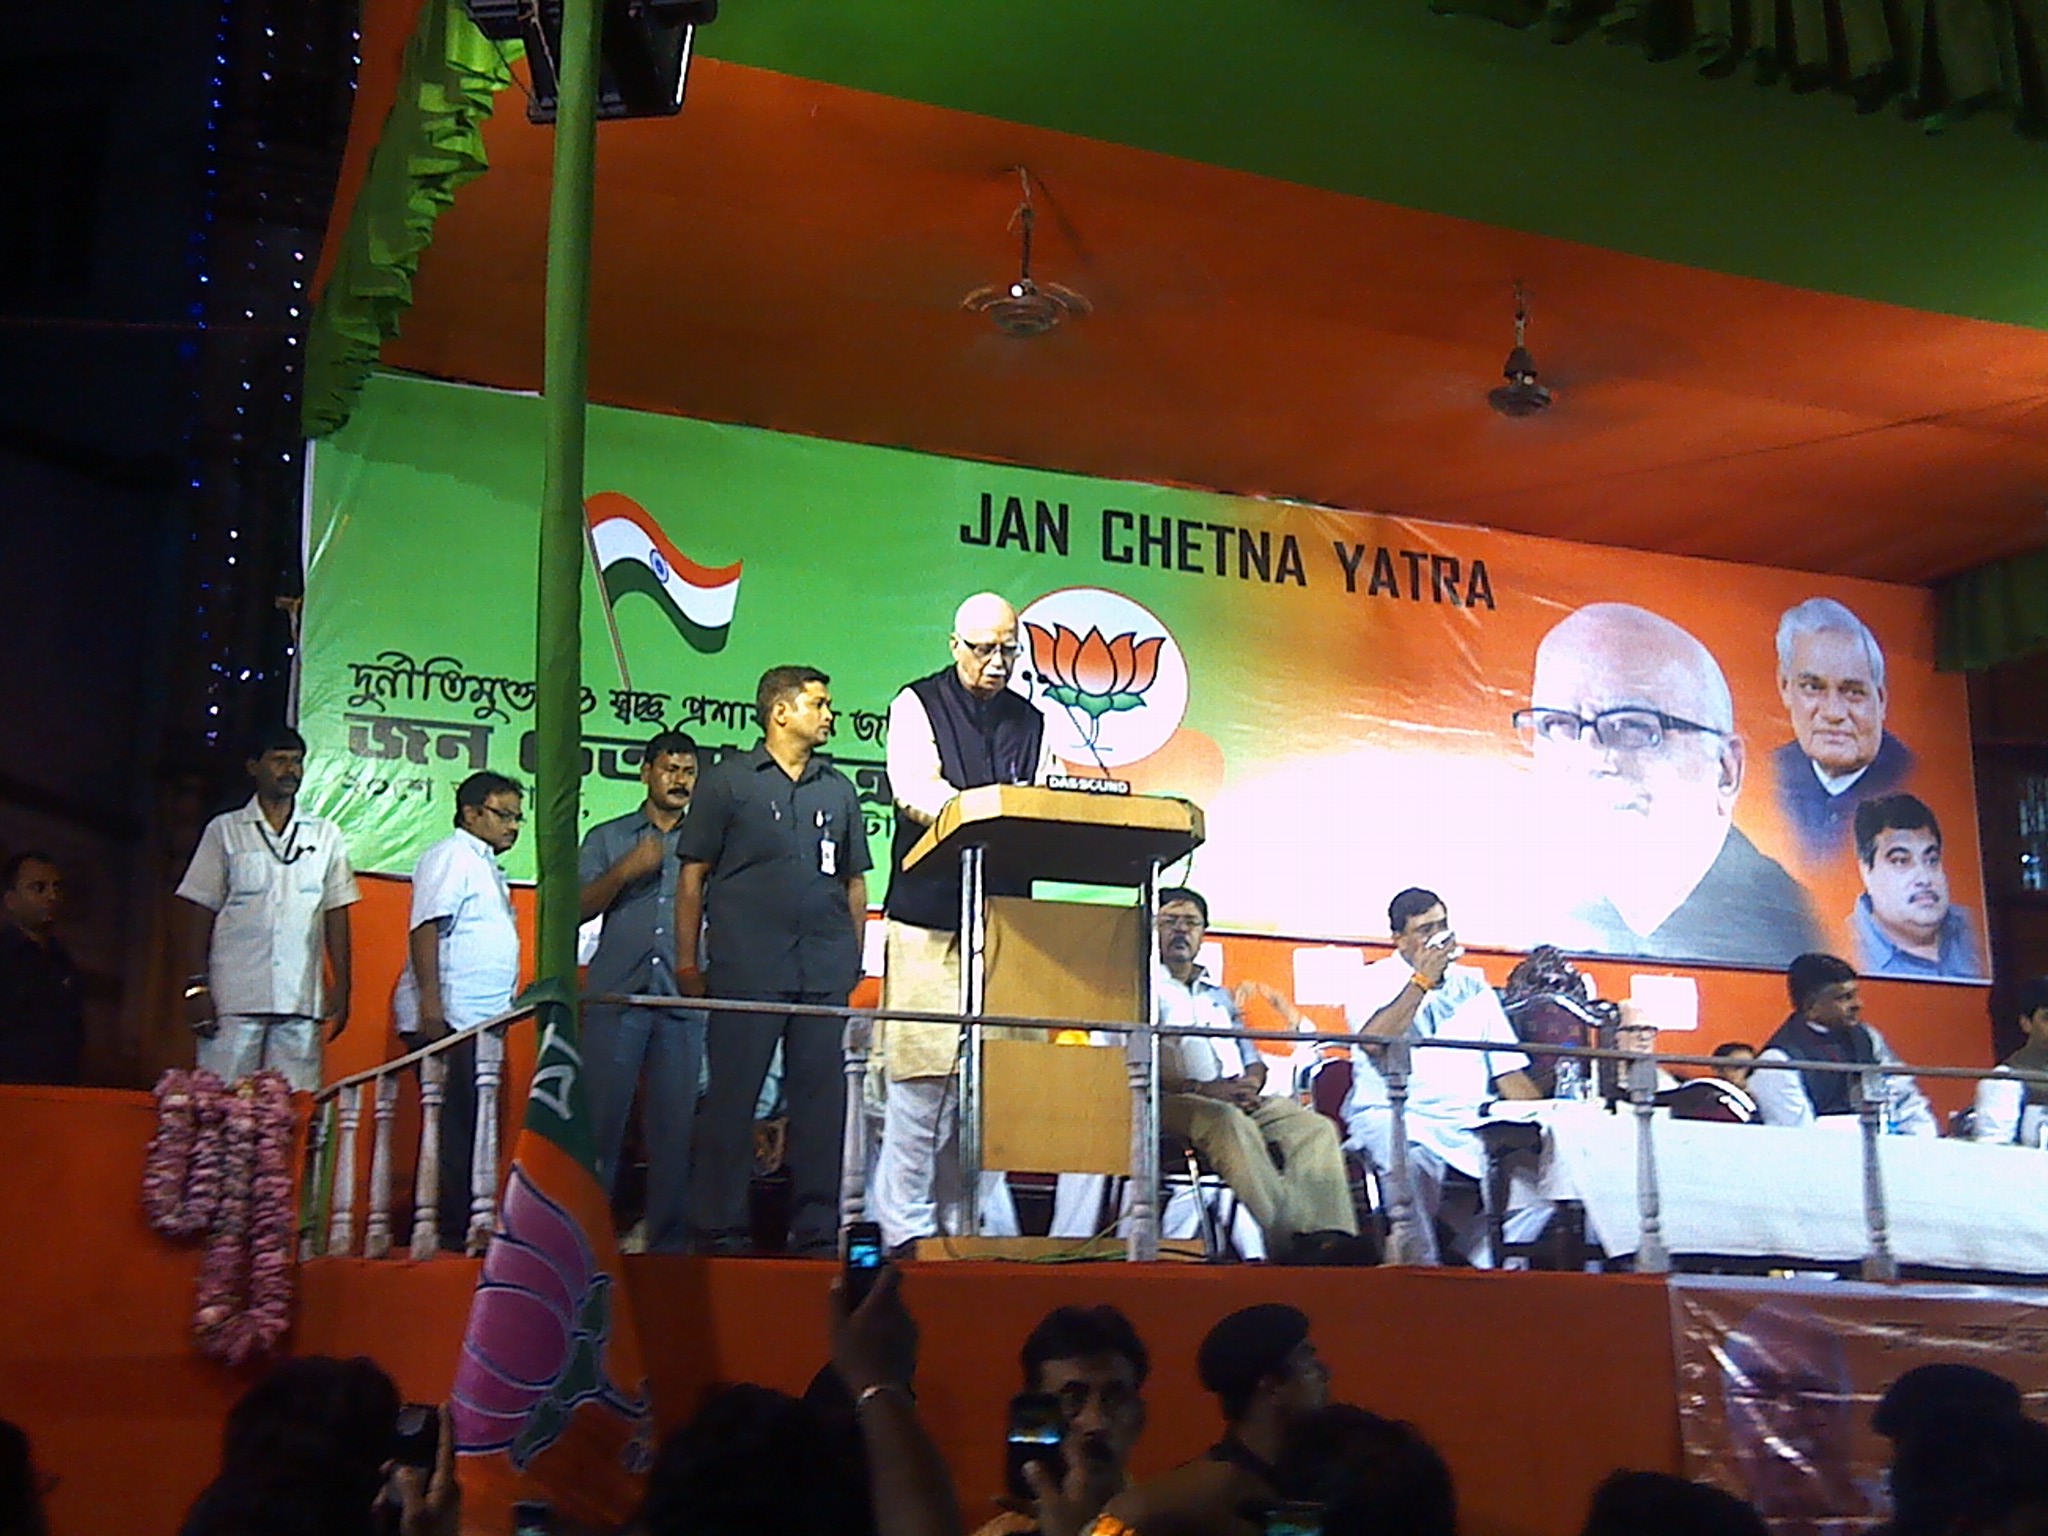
{"x": 1026, "y": 1103}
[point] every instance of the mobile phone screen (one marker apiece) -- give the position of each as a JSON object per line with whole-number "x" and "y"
{"x": 864, "y": 1259}
{"x": 1037, "y": 1426}
{"x": 1295, "y": 1519}
{"x": 416, "y": 1438}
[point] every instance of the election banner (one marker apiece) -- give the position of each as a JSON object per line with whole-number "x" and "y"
{"x": 1616, "y": 752}
{"x": 1781, "y": 1382}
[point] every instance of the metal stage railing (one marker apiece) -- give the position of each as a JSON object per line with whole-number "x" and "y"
{"x": 1408, "y": 1243}
{"x": 341, "y": 1106}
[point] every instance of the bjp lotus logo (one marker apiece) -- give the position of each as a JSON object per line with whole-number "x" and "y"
{"x": 1107, "y": 674}
{"x": 536, "y": 1345}
{"x": 1091, "y": 672}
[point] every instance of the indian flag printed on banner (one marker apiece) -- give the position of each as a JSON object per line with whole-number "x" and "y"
{"x": 632, "y": 554}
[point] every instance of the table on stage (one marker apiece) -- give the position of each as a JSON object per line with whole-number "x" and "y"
{"x": 1758, "y": 1192}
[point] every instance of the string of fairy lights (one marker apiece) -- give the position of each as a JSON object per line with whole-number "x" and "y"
{"x": 282, "y": 82}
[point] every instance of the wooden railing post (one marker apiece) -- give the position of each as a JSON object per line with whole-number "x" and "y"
{"x": 1870, "y": 1093}
{"x": 1652, "y": 1256}
{"x": 341, "y": 1228}
{"x": 377, "y": 1229}
{"x": 426, "y": 1190}
{"x": 483, "y": 1160}
{"x": 1141, "y": 1212}
{"x": 319, "y": 1182}
{"x": 1411, "y": 1236}
{"x": 854, "y": 1144}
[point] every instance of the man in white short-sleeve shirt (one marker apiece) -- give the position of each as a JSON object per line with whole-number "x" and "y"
{"x": 1418, "y": 993}
{"x": 462, "y": 968}
{"x": 268, "y": 892}
{"x": 1213, "y": 1093}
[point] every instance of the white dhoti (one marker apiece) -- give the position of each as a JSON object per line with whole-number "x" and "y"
{"x": 247, "y": 1043}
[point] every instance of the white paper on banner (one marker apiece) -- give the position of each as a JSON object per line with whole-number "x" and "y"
{"x": 1327, "y": 974}
{"x": 874, "y": 946}
{"x": 1666, "y": 1002}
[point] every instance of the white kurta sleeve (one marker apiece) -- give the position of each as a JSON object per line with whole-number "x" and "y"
{"x": 1378, "y": 985}
{"x": 916, "y": 780}
{"x": 2000, "y": 1101}
{"x": 1481, "y": 1017}
{"x": 1780, "y": 1096}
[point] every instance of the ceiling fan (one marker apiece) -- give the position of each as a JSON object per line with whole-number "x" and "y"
{"x": 1025, "y": 306}
{"x": 1521, "y": 395}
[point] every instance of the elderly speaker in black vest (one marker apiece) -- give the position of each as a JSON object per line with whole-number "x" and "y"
{"x": 960, "y": 728}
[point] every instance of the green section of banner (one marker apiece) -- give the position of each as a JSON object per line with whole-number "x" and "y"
{"x": 1337, "y": 690}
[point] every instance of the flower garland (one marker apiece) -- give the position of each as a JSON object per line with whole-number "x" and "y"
{"x": 220, "y": 1166}
{"x": 178, "y": 1198}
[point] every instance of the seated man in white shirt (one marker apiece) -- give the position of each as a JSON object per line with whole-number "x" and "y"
{"x": 1826, "y": 1025}
{"x": 1417, "y": 993}
{"x": 1213, "y": 1094}
{"x": 462, "y": 968}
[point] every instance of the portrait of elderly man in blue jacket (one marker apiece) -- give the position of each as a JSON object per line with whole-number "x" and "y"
{"x": 1831, "y": 677}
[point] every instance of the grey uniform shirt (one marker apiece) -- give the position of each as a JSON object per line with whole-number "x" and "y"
{"x": 780, "y": 853}
{"x": 636, "y": 949}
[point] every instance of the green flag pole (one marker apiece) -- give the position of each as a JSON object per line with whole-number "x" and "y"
{"x": 558, "y": 638}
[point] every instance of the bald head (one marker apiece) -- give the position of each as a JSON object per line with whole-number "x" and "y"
{"x": 984, "y": 644}
{"x": 984, "y": 610}
{"x": 1626, "y": 656}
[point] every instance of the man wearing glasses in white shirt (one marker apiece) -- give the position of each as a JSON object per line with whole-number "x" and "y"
{"x": 462, "y": 968}
{"x": 1213, "y": 1093}
{"x": 267, "y": 895}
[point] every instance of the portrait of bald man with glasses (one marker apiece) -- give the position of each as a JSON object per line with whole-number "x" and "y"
{"x": 1631, "y": 731}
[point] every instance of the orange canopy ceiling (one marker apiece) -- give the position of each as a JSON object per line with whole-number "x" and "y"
{"x": 792, "y": 254}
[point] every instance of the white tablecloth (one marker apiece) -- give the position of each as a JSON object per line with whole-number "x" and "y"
{"x": 1756, "y": 1191}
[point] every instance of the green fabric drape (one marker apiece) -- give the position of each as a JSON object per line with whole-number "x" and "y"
{"x": 430, "y": 145}
{"x": 1936, "y": 60}
{"x": 1993, "y": 613}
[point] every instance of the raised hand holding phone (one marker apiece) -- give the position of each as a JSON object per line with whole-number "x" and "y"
{"x": 874, "y": 1344}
